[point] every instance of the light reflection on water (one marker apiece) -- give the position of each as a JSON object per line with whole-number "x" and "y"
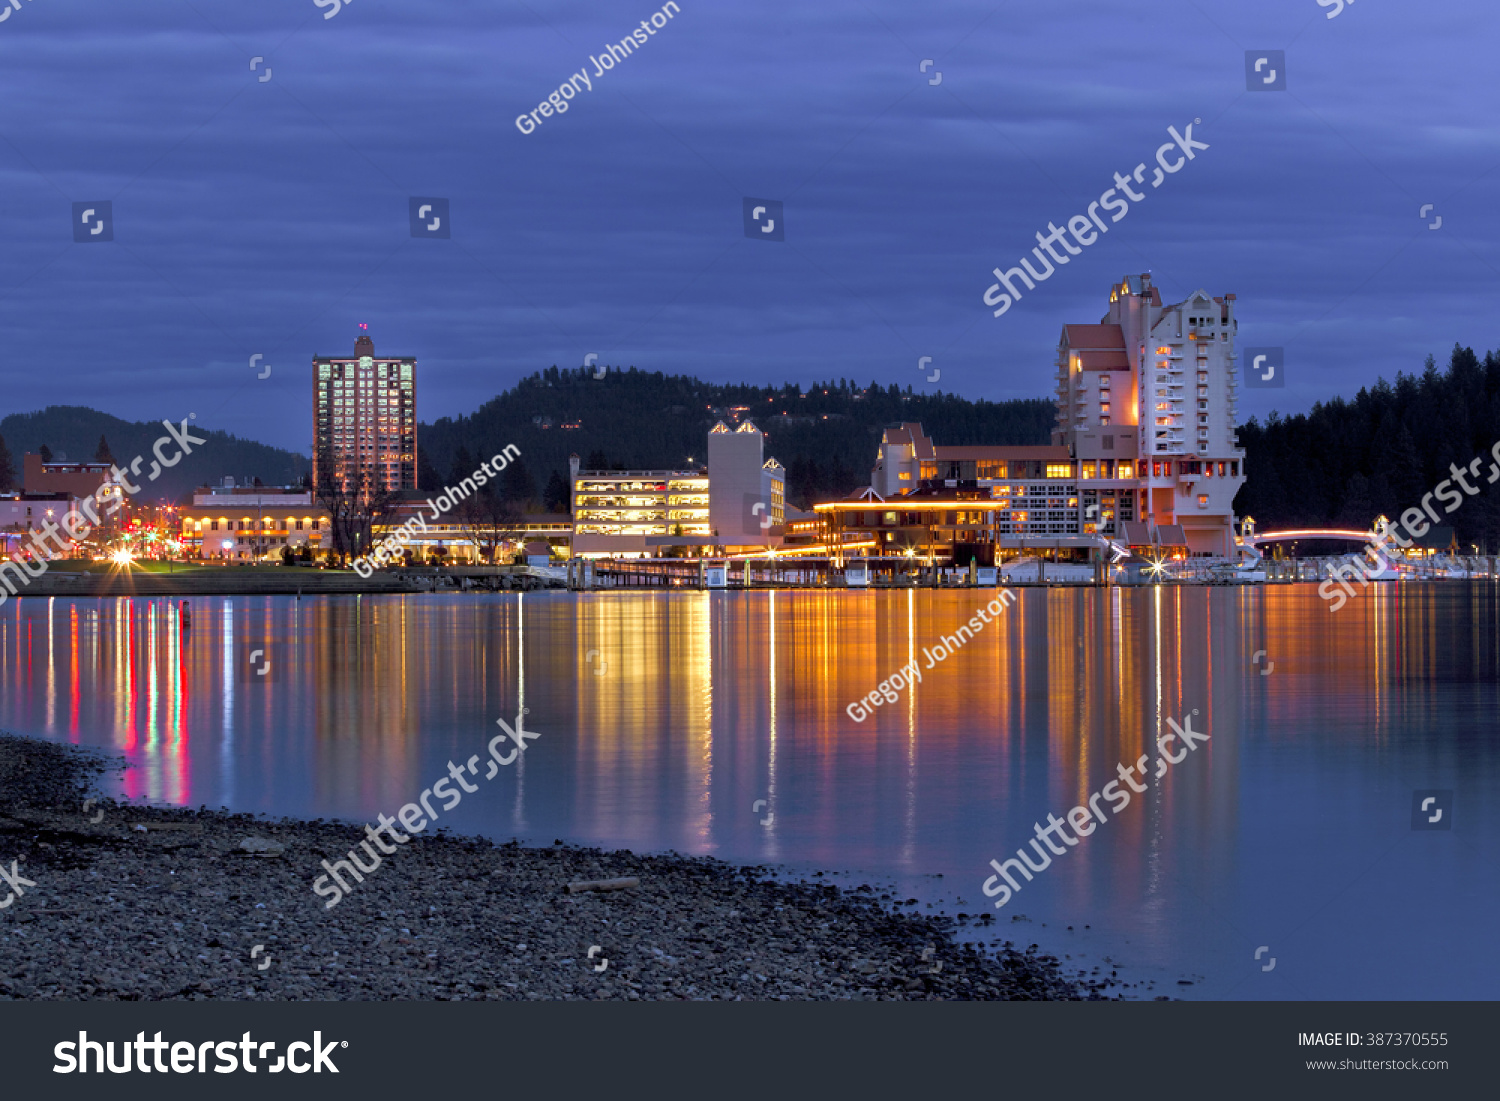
{"x": 1290, "y": 828}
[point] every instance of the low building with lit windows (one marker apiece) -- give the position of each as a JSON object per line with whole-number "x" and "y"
{"x": 245, "y": 523}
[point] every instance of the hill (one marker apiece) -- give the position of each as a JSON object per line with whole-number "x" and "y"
{"x": 74, "y": 431}
{"x": 826, "y": 436}
{"x": 1346, "y": 461}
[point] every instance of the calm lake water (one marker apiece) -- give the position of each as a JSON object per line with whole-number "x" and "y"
{"x": 665, "y": 719}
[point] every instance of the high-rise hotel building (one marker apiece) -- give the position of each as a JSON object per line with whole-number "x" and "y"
{"x": 365, "y": 420}
{"x": 1152, "y": 389}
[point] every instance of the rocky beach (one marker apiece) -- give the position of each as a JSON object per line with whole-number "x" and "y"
{"x": 118, "y": 901}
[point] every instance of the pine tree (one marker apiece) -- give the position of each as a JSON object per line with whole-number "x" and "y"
{"x": 7, "y": 469}
{"x": 1357, "y": 510}
{"x": 463, "y": 466}
{"x": 428, "y": 479}
{"x": 102, "y": 453}
{"x": 517, "y": 485}
{"x": 557, "y": 497}
{"x": 45, "y": 452}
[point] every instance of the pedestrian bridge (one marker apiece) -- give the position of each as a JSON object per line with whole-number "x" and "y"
{"x": 1310, "y": 533}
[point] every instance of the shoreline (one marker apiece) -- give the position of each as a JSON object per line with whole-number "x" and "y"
{"x": 175, "y": 911}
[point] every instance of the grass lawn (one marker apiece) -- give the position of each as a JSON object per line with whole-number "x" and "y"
{"x": 76, "y": 565}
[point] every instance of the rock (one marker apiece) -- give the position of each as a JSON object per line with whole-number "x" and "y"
{"x": 262, "y": 846}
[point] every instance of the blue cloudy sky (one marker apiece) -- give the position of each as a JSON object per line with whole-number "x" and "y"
{"x": 270, "y": 216}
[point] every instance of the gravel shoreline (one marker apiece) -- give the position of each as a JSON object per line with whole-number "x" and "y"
{"x": 176, "y": 911}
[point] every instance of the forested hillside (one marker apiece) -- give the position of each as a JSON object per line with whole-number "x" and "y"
{"x": 826, "y": 436}
{"x": 1345, "y": 461}
{"x": 74, "y": 431}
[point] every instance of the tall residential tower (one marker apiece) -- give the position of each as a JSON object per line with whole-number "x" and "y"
{"x": 365, "y": 421}
{"x": 1155, "y": 386}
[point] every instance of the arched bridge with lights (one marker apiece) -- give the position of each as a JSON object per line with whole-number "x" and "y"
{"x": 1309, "y": 533}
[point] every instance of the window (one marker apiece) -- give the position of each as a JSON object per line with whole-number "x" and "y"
{"x": 1089, "y": 471}
{"x": 1104, "y": 407}
{"x": 1203, "y": 500}
{"x": 904, "y": 476}
{"x": 1234, "y": 468}
{"x": 1221, "y": 470}
{"x": 1126, "y": 469}
{"x": 1059, "y": 470}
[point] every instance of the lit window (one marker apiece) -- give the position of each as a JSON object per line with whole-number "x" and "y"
{"x": 1059, "y": 470}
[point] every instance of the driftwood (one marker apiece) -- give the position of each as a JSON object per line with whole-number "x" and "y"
{"x": 602, "y": 885}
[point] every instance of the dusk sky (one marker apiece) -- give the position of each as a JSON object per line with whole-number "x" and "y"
{"x": 270, "y": 216}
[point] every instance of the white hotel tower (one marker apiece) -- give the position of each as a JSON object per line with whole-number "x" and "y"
{"x": 1155, "y": 386}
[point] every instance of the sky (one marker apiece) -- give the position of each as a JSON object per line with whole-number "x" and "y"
{"x": 260, "y": 161}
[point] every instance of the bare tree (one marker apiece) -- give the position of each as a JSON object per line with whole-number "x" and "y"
{"x": 487, "y": 520}
{"x": 355, "y": 504}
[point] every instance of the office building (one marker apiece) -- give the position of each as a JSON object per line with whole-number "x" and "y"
{"x": 736, "y": 502}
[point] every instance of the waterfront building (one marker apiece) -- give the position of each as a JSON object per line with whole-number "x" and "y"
{"x": 1153, "y": 386}
{"x": 490, "y": 538}
{"x": 737, "y": 502}
{"x": 1144, "y": 453}
{"x": 245, "y": 523}
{"x": 957, "y": 504}
{"x": 365, "y": 421}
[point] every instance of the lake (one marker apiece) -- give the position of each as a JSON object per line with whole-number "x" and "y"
{"x": 717, "y": 723}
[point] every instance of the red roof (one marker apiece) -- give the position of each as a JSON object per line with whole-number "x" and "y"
{"x": 1044, "y": 452}
{"x": 1094, "y": 337}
